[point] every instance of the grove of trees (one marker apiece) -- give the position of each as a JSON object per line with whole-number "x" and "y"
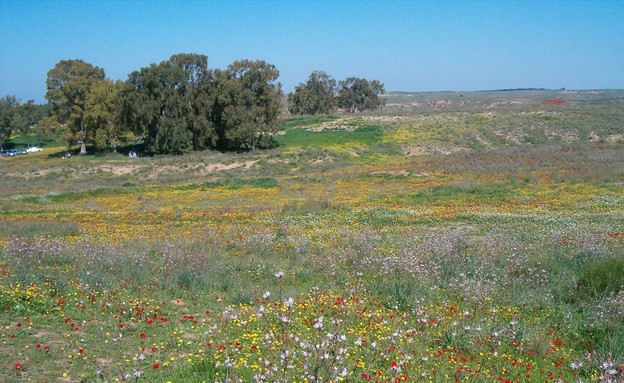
{"x": 320, "y": 94}
{"x": 177, "y": 105}
{"x": 16, "y": 118}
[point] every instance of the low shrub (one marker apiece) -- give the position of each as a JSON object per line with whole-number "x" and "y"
{"x": 600, "y": 278}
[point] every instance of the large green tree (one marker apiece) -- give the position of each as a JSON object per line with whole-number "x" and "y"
{"x": 8, "y": 116}
{"x": 315, "y": 96}
{"x": 247, "y": 103}
{"x": 103, "y": 114}
{"x": 358, "y": 94}
{"x": 69, "y": 84}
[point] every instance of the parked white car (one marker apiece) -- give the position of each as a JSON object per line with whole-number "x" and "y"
{"x": 33, "y": 149}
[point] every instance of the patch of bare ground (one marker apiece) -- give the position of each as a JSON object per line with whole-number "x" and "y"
{"x": 200, "y": 169}
{"x": 440, "y": 103}
{"x": 566, "y": 136}
{"x": 387, "y": 118}
{"x": 104, "y": 362}
{"x": 33, "y": 174}
{"x": 125, "y": 169}
{"x": 410, "y": 150}
{"x": 338, "y": 124}
{"x": 120, "y": 170}
{"x": 513, "y": 101}
{"x": 516, "y": 136}
{"x": 613, "y": 138}
{"x": 320, "y": 160}
{"x": 51, "y": 338}
{"x": 44, "y": 334}
{"x": 593, "y": 136}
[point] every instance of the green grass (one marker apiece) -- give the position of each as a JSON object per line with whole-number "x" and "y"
{"x": 299, "y": 137}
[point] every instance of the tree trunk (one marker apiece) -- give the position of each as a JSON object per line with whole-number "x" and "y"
{"x": 83, "y": 145}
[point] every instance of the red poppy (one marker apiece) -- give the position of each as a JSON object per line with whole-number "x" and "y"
{"x": 142, "y": 335}
{"x": 156, "y": 365}
{"x": 17, "y": 366}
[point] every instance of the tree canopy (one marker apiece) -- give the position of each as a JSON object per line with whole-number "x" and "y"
{"x": 321, "y": 95}
{"x": 247, "y": 104}
{"x": 315, "y": 96}
{"x": 179, "y": 104}
{"x": 69, "y": 84}
{"x": 103, "y": 114}
{"x": 8, "y": 116}
{"x": 156, "y": 106}
{"x": 358, "y": 94}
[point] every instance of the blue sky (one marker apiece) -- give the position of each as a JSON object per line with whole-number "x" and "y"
{"x": 408, "y": 45}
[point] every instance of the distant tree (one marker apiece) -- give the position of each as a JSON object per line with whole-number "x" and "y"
{"x": 26, "y": 117}
{"x": 8, "y": 116}
{"x": 247, "y": 103}
{"x": 69, "y": 84}
{"x": 103, "y": 114}
{"x": 48, "y": 128}
{"x": 316, "y": 96}
{"x": 358, "y": 94}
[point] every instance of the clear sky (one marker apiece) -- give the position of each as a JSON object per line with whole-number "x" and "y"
{"x": 408, "y": 45}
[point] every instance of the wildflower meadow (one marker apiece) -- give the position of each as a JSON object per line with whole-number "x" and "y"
{"x": 480, "y": 245}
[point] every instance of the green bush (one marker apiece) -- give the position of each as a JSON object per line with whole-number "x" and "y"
{"x": 600, "y": 278}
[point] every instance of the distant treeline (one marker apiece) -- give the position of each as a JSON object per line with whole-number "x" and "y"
{"x": 177, "y": 105}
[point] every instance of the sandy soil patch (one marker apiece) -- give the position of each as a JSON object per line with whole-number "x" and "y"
{"x": 410, "y": 150}
{"x": 200, "y": 169}
{"x": 515, "y": 136}
{"x": 566, "y": 137}
{"x": 120, "y": 170}
{"x": 338, "y": 124}
{"x": 387, "y": 118}
{"x": 614, "y": 138}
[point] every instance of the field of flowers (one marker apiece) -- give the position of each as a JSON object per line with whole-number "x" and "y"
{"x": 348, "y": 261}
